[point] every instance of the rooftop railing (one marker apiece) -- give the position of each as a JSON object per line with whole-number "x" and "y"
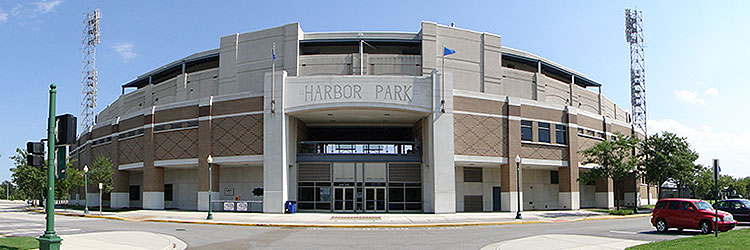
{"x": 358, "y": 148}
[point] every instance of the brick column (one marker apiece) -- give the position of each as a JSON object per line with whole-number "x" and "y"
{"x": 120, "y": 196}
{"x": 204, "y": 149}
{"x": 153, "y": 177}
{"x": 508, "y": 185}
{"x": 569, "y": 195}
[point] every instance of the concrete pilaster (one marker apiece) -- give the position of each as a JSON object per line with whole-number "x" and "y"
{"x": 441, "y": 175}
{"x": 275, "y": 134}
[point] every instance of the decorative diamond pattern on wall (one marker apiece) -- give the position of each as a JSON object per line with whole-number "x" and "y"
{"x": 238, "y": 135}
{"x": 544, "y": 152}
{"x": 102, "y": 150}
{"x": 479, "y": 135}
{"x": 131, "y": 150}
{"x": 583, "y": 144}
{"x": 180, "y": 144}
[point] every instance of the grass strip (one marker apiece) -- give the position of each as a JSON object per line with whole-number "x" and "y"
{"x": 15, "y": 243}
{"x": 735, "y": 239}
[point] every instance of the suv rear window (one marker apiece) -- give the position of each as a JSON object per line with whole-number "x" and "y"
{"x": 674, "y": 205}
{"x": 661, "y": 205}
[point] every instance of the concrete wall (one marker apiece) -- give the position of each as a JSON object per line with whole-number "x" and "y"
{"x": 538, "y": 192}
{"x": 184, "y": 186}
{"x": 241, "y": 181}
{"x": 490, "y": 179}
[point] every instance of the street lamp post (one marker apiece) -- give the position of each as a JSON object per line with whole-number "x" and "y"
{"x": 209, "y": 160}
{"x": 49, "y": 240}
{"x": 86, "y": 189}
{"x": 518, "y": 187}
{"x": 100, "y": 198}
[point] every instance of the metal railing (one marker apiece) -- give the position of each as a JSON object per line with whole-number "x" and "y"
{"x": 359, "y": 148}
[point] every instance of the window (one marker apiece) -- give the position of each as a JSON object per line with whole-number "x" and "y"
{"x": 472, "y": 174}
{"x": 661, "y": 205}
{"x": 168, "y": 192}
{"x": 554, "y": 177}
{"x": 685, "y": 206}
{"x": 560, "y": 134}
{"x": 723, "y": 205}
{"x": 544, "y": 132}
{"x": 135, "y": 193}
{"x": 580, "y": 131}
{"x": 601, "y": 135}
{"x": 674, "y": 205}
{"x": 526, "y": 131}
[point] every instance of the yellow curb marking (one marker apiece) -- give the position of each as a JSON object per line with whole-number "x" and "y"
{"x": 348, "y": 226}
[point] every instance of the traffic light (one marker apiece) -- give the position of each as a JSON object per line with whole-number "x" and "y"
{"x": 65, "y": 130}
{"x": 60, "y": 162}
{"x": 35, "y": 154}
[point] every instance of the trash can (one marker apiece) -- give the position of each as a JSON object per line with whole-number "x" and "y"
{"x": 290, "y": 207}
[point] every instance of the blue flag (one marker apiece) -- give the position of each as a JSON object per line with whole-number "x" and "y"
{"x": 447, "y": 51}
{"x": 273, "y": 52}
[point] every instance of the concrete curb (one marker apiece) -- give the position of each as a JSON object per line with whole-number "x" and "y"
{"x": 350, "y": 225}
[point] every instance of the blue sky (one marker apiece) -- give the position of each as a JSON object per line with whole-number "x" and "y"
{"x": 694, "y": 59}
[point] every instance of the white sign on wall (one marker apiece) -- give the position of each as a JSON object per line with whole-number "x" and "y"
{"x": 409, "y": 91}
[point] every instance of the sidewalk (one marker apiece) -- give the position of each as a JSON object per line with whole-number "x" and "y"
{"x": 349, "y": 220}
{"x": 121, "y": 240}
{"x": 564, "y": 242}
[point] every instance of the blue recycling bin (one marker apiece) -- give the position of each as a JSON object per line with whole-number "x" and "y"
{"x": 290, "y": 207}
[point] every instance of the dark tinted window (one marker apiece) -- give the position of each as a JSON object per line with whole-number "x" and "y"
{"x": 526, "y": 131}
{"x": 661, "y": 205}
{"x": 544, "y": 132}
{"x": 554, "y": 177}
{"x": 674, "y": 205}
{"x": 560, "y": 134}
{"x": 168, "y": 192}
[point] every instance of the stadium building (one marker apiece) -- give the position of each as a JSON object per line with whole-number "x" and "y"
{"x": 356, "y": 122}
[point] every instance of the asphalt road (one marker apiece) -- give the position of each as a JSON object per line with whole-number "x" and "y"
{"x": 21, "y": 223}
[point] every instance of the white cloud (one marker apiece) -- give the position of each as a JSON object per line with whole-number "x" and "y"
{"x": 47, "y": 6}
{"x": 16, "y": 10}
{"x": 3, "y": 16}
{"x": 689, "y": 96}
{"x": 125, "y": 50}
{"x": 712, "y": 92}
{"x": 731, "y": 148}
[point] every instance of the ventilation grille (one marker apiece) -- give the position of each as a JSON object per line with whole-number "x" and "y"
{"x": 314, "y": 172}
{"x": 405, "y": 172}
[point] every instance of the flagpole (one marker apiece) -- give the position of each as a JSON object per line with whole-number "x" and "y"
{"x": 442, "y": 83}
{"x": 273, "y": 79}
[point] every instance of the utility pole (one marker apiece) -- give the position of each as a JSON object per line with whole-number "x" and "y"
{"x": 49, "y": 240}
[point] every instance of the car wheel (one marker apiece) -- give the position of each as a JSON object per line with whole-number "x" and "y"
{"x": 705, "y": 227}
{"x": 661, "y": 225}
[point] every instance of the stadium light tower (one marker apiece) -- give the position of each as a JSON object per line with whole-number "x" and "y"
{"x": 89, "y": 73}
{"x": 634, "y": 37}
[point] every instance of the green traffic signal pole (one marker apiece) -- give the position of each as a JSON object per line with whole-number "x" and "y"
{"x": 49, "y": 240}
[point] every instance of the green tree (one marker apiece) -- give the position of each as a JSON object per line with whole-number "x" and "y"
{"x": 73, "y": 179}
{"x": 30, "y": 181}
{"x": 667, "y": 157}
{"x": 613, "y": 159}
{"x": 101, "y": 172}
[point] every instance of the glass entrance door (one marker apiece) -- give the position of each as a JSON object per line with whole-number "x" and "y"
{"x": 343, "y": 199}
{"x": 375, "y": 199}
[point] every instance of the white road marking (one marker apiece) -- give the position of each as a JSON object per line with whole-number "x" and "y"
{"x": 622, "y": 232}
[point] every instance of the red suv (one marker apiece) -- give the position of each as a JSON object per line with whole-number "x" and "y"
{"x": 691, "y": 214}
